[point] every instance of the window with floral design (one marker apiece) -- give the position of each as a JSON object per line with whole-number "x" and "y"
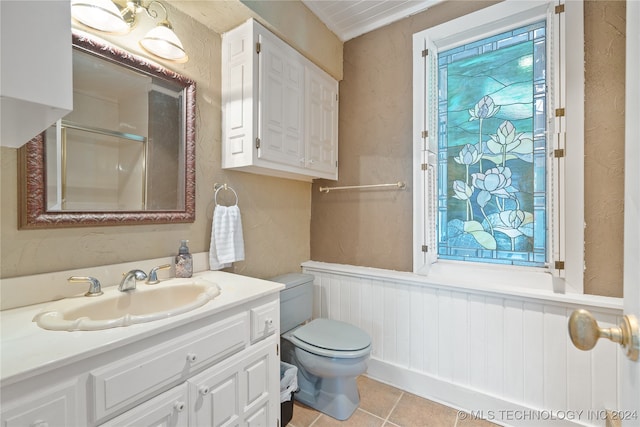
{"x": 498, "y": 125}
{"x": 492, "y": 149}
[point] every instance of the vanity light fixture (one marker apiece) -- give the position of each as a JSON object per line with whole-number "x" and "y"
{"x": 109, "y": 16}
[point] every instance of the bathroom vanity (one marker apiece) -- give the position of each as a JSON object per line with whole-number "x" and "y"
{"x": 215, "y": 365}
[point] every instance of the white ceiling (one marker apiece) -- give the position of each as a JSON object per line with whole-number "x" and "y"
{"x": 352, "y": 18}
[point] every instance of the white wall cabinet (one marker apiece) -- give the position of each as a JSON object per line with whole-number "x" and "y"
{"x": 36, "y": 87}
{"x": 222, "y": 369}
{"x": 280, "y": 111}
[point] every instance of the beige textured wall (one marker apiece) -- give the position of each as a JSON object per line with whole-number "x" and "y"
{"x": 374, "y": 228}
{"x": 605, "y": 26}
{"x": 291, "y": 20}
{"x": 297, "y": 25}
{"x": 276, "y": 212}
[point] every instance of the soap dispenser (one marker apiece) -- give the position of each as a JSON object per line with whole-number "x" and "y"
{"x": 184, "y": 261}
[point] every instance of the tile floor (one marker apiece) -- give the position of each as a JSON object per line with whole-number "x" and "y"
{"x": 384, "y": 405}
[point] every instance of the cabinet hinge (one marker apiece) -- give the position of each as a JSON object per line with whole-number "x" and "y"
{"x": 559, "y": 112}
{"x": 258, "y": 47}
{"x": 559, "y": 152}
{"x": 257, "y": 143}
{"x": 277, "y": 349}
{"x": 559, "y": 265}
{"x": 559, "y": 9}
{"x": 424, "y": 166}
{"x": 336, "y": 163}
{"x": 425, "y": 52}
{"x": 425, "y": 248}
{"x": 425, "y": 133}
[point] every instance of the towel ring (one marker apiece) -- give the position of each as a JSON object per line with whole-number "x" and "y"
{"x": 224, "y": 187}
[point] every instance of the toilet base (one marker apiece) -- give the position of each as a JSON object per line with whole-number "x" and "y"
{"x": 336, "y": 397}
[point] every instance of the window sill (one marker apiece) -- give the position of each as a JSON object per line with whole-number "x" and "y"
{"x": 479, "y": 280}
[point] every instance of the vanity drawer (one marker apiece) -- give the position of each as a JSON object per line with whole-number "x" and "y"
{"x": 264, "y": 320}
{"x": 168, "y": 409}
{"x": 138, "y": 377}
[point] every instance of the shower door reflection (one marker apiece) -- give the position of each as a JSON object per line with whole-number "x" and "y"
{"x": 95, "y": 169}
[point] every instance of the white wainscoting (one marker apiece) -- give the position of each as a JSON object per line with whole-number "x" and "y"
{"x": 505, "y": 357}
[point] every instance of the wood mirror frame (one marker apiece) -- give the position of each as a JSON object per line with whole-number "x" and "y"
{"x": 32, "y": 194}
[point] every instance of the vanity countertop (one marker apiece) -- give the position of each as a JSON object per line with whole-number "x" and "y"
{"x": 27, "y": 350}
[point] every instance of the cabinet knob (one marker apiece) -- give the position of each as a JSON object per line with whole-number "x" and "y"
{"x": 178, "y": 406}
{"x": 268, "y": 322}
{"x": 39, "y": 423}
{"x": 204, "y": 390}
{"x": 191, "y": 357}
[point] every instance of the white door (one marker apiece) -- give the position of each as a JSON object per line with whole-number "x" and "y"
{"x": 630, "y": 371}
{"x": 585, "y": 330}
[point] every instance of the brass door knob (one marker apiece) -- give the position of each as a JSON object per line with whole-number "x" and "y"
{"x": 585, "y": 332}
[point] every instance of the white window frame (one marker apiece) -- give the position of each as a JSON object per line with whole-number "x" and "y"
{"x": 565, "y": 175}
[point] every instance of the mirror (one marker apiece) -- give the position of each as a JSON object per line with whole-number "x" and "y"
{"x": 124, "y": 155}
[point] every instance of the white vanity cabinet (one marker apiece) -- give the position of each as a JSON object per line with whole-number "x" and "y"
{"x": 218, "y": 369}
{"x": 280, "y": 111}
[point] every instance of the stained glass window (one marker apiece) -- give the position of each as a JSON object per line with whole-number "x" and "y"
{"x": 492, "y": 149}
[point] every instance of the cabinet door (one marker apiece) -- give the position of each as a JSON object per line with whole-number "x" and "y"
{"x": 240, "y": 391}
{"x": 169, "y": 409}
{"x": 281, "y": 97}
{"x": 239, "y": 108}
{"x": 321, "y": 122}
{"x": 56, "y": 406}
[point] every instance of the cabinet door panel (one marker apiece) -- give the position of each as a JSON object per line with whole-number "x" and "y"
{"x": 281, "y": 97}
{"x": 214, "y": 397}
{"x": 259, "y": 418}
{"x": 242, "y": 391}
{"x": 53, "y": 407}
{"x": 238, "y": 113}
{"x": 321, "y": 121}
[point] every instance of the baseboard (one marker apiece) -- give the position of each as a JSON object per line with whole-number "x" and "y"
{"x": 475, "y": 403}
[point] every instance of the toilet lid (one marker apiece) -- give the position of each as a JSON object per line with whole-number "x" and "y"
{"x": 333, "y": 335}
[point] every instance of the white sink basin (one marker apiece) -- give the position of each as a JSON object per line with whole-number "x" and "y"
{"x": 116, "y": 309}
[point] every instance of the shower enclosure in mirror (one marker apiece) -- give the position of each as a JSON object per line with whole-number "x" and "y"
{"x": 125, "y": 154}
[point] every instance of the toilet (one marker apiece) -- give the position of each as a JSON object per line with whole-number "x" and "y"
{"x": 329, "y": 354}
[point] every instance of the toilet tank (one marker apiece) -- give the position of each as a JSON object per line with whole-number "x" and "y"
{"x": 296, "y": 299}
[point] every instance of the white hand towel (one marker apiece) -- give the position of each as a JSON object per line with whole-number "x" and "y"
{"x": 227, "y": 243}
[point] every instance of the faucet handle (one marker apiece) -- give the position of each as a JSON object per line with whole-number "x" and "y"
{"x": 94, "y": 285}
{"x": 152, "y": 279}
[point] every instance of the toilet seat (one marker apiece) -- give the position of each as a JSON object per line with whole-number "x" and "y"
{"x": 331, "y": 338}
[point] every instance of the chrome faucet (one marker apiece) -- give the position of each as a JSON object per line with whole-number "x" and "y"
{"x": 128, "y": 282}
{"x": 94, "y": 284}
{"x": 152, "y": 279}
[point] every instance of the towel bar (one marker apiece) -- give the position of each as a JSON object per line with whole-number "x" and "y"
{"x": 399, "y": 185}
